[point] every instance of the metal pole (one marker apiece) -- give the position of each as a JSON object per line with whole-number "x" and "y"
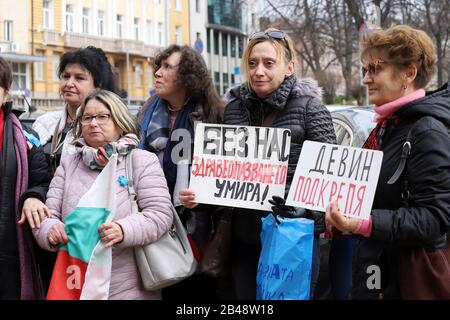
{"x": 128, "y": 77}
{"x": 167, "y": 11}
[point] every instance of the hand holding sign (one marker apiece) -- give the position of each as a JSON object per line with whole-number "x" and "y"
{"x": 187, "y": 198}
{"x": 334, "y": 217}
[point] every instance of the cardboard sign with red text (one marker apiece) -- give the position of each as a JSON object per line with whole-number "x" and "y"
{"x": 239, "y": 166}
{"x": 328, "y": 172}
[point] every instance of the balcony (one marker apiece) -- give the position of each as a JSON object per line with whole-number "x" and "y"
{"x": 77, "y": 40}
{"x": 51, "y": 37}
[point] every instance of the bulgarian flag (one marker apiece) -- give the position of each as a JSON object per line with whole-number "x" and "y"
{"x": 83, "y": 266}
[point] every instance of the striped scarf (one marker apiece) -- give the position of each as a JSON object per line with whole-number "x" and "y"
{"x": 98, "y": 158}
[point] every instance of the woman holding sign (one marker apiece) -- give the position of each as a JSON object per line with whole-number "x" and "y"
{"x": 272, "y": 96}
{"x": 402, "y": 250}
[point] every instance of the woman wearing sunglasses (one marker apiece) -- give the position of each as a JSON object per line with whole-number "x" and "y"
{"x": 405, "y": 235}
{"x": 272, "y": 96}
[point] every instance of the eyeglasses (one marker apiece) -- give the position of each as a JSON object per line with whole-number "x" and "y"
{"x": 372, "y": 68}
{"x": 279, "y": 35}
{"x": 100, "y": 119}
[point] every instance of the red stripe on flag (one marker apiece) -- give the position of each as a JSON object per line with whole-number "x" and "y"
{"x": 67, "y": 278}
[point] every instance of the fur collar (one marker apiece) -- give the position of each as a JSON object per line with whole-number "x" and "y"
{"x": 291, "y": 87}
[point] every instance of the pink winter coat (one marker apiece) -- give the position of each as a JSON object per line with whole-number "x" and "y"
{"x": 73, "y": 179}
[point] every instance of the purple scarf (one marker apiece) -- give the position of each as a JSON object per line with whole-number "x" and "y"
{"x": 29, "y": 287}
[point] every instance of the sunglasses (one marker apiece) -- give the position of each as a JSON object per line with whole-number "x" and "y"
{"x": 372, "y": 68}
{"x": 279, "y": 35}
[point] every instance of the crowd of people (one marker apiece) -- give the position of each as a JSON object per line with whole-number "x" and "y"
{"x": 46, "y": 170}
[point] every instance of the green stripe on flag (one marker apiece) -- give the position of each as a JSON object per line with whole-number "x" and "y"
{"x": 82, "y": 230}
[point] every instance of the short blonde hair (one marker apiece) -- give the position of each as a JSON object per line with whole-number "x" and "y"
{"x": 402, "y": 46}
{"x": 119, "y": 112}
{"x": 284, "y": 48}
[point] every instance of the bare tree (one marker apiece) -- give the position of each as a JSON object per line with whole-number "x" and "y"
{"x": 429, "y": 15}
{"x": 342, "y": 39}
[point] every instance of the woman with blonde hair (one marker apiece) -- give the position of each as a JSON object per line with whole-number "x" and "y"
{"x": 405, "y": 236}
{"x": 272, "y": 96}
{"x": 104, "y": 127}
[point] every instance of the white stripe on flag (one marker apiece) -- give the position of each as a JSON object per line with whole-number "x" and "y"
{"x": 102, "y": 194}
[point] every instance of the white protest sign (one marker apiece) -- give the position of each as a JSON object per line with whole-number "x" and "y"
{"x": 328, "y": 172}
{"x": 239, "y": 166}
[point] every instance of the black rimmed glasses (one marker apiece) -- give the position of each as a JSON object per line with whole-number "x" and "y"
{"x": 99, "y": 118}
{"x": 372, "y": 68}
{"x": 278, "y": 34}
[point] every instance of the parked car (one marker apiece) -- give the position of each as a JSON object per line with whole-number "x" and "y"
{"x": 352, "y": 126}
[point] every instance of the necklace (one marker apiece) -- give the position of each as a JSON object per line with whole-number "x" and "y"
{"x": 70, "y": 117}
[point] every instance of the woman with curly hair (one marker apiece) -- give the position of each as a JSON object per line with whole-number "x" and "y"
{"x": 185, "y": 93}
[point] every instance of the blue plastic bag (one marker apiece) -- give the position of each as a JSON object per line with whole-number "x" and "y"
{"x": 284, "y": 268}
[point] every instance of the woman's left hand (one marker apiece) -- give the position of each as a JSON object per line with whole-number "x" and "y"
{"x": 34, "y": 210}
{"x": 187, "y": 198}
{"x": 110, "y": 233}
{"x": 334, "y": 217}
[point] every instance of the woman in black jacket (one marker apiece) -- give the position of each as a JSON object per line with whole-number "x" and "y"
{"x": 24, "y": 183}
{"x": 272, "y": 96}
{"x": 410, "y": 212}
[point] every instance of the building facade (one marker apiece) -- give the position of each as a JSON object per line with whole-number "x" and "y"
{"x": 229, "y": 24}
{"x": 129, "y": 31}
{"x": 15, "y": 46}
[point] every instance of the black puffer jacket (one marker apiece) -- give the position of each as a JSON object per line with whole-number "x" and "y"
{"x": 39, "y": 178}
{"x": 424, "y": 222}
{"x": 299, "y": 109}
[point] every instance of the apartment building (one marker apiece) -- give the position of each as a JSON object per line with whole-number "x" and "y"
{"x": 229, "y": 24}
{"x": 129, "y": 31}
{"x": 15, "y": 45}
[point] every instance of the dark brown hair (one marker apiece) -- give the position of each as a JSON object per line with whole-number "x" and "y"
{"x": 5, "y": 74}
{"x": 194, "y": 76}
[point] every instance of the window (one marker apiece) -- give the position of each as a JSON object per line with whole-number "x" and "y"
{"x": 197, "y": 6}
{"x": 47, "y": 8}
{"x": 70, "y": 18}
{"x": 8, "y": 30}
{"x": 39, "y": 68}
{"x": 160, "y": 33}
{"x": 344, "y": 135}
{"x": 224, "y": 44}
{"x": 149, "y": 75}
{"x": 85, "y": 21}
{"x": 148, "y": 32}
{"x": 55, "y": 64}
{"x": 233, "y": 46}
{"x": 101, "y": 23}
{"x": 225, "y": 81}
{"x": 119, "y": 25}
{"x": 216, "y": 43}
{"x": 138, "y": 74}
{"x": 19, "y": 73}
{"x": 136, "y": 28}
{"x": 178, "y": 5}
{"x": 178, "y": 39}
{"x": 253, "y": 20}
{"x": 217, "y": 80}
{"x": 241, "y": 46}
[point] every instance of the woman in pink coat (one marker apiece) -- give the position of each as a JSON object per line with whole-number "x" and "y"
{"x": 104, "y": 126}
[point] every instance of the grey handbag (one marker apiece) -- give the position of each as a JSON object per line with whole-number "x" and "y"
{"x": 167, "y": 260}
